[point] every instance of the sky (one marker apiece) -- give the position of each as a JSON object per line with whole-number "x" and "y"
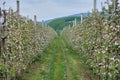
{"x": 49, "y": 9}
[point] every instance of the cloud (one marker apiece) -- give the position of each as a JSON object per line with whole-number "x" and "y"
{"x": 46, "y": 9}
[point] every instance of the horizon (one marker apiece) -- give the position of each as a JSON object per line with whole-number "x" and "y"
{"x": 50, "y": 9}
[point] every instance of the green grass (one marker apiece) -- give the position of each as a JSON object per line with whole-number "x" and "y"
{"x": 59, "y": 62}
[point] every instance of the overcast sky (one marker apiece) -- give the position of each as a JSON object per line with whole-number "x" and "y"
{"x": 48, "y": 9}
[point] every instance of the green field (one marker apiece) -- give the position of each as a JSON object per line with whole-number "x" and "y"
{"x": 59, "y": 62}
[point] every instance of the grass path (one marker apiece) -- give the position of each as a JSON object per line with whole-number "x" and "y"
{"x": 59, "y": 62}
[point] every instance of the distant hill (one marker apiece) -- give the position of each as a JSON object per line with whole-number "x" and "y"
{"x": 84, "y": 14}
{"x": 59, "y": 23}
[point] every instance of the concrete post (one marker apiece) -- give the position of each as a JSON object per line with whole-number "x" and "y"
{"x": 95, "y": 4}
{"x": 18, "y": 7}
{"x": 43, "y": 23}
{"x": 75, "y": 22}
{"x": 4, "y": 5}
{"x": 35, "y": 20}
{"x": 108, "y": 2}
{"x": 69, "y": 26}
{"x": 0, "y": 12}
{"x": 81, "y": 16}
{"x": 115, "y": 4}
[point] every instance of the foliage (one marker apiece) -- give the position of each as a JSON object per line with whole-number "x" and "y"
{"x": 98, "y": 42}
{"x": 24, "y": 42}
